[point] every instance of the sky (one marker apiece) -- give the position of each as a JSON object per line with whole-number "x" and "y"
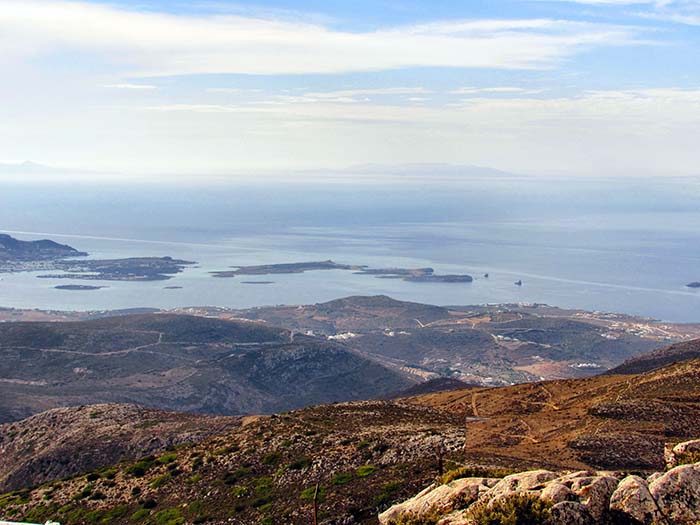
{"x": 538, "y": 87}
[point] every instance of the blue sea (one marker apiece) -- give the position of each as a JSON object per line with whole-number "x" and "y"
{"x": 626, "y": 246}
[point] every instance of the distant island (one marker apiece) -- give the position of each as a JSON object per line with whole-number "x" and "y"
{"x": 17, "y": 255}
{"x": 415, "y": 275}
{"x": 268, "y": 269}
{"x": 46, "y": 255}
{"x": 694, "y": 285}
{"x": 78, "y": 287}
{"x": 130, "y": 269}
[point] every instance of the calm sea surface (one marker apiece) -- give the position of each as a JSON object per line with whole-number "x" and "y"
{"x": 627, "y": 246}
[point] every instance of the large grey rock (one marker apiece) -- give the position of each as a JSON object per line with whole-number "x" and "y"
{"x": 443, "y": 498}
{"x": 557, "y": 492}
{"x": 672, "y": 455}
{"x": 570, "y": 513}
{"x": 677, "y": 494}
{"x": 533, "y": 481}
{"x": 632, "y": 498}
{"x": 687, "y": 447}
{"x": 595, "y": 494}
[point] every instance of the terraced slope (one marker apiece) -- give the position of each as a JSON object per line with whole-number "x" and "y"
{"x": 608, "y": 421}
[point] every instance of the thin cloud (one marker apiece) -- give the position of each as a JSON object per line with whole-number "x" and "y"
{"x": 143, "y": 87}
{"x": 685, "y": 12}
{"x": 146, "y": 44}
{"x": 502, "y": 90}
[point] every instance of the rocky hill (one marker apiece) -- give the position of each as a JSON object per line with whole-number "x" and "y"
{"x": 67, "y": 441}
{"x": 179, "y": 363}
{"x": 12, "y": 249}
{"x": 492, "y": 345}
{"x": 608, "y": 421}
{"x": 364, "y": 456}
{"x": 659, "y": 358}
{"x": 367, "y": 456}
{"x": 350, "y": 314}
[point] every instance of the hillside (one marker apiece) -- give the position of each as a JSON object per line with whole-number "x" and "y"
{"x": 659, "y": 358}
{"x": 67, "y": 441}
{"x": 365, "y": 455}
{"x": 181, "y": 363}
{"x": 350, "y": 314}
{"x": 15, "y": 250}
{"x": 608, "y": 421}
{"x": 368, "y": 455}
{"x": 491, "y": 345}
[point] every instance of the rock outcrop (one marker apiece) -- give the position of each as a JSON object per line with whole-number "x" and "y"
{"x": 573, "y": 498}
{"x": 677, "y": 455}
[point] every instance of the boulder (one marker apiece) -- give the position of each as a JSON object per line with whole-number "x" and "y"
{"x": 687, "y": 447}
{"x": 632, "y": 498}
{"x": 654, "y": 477}
{"x": 533, "y": 481}
{"x": 672, "y": 455}
{"x": 677, "y": 494}
{"x": 458, "y": 517}
{"x": 557, "y": 492}
{"x": 595, "y": 494}
{"x": 443, "y": 498}
{"x": 570, "y": 513}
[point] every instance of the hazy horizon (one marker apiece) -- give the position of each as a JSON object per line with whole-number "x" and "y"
{"x": 540, "y": 87}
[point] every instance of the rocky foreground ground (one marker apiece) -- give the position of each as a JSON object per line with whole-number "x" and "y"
{"x": 563, "y": 498}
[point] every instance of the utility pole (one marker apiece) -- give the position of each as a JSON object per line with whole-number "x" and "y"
{"x": 440, "y": 452}
{"x": 315, "y": 517}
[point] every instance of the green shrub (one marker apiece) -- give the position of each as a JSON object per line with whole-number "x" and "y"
{"x": 226, "y": 450}
{"x": 160, "y": 481}
{"x": 387, "y": 493}
{"x": 429, "y": 518}
{"x": 167, "y": 458}
{"x": 115, "y": 514}
{"x": 688, "y": 458}
{"x": 94, "y": 516}
{"x": 475, "y": 472}
{"x": 300, "y": 464}
{"x": 342, "y": 478}
{"x": 308, "y": 493}
{"x": 271, "y": 459}
{"x": 260, "y": 501}
{"x": 232, "y": 477}
{"x": 85, "y": 492}
{"x": 140, "y": 515}
{"x": 365, "y": 470}
{"x": 263, "y": 485}
{"x": 517, "y": 509}
{"x": 41, "y": 513}
{"x": 169, "y": 517}
{"x": 239, "y": 491}
{"x": 139, "y": 469}
{"x": 109, "y": 474}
